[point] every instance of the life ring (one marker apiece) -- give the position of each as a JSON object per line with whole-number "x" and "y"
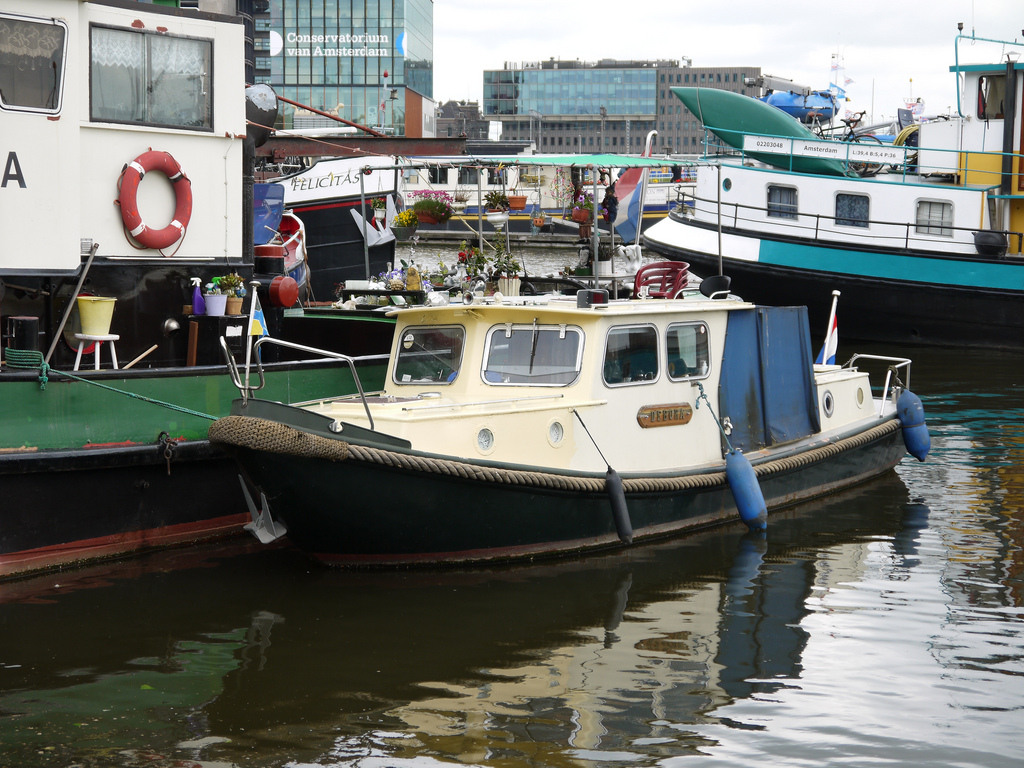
{"x": 131, "y": 177}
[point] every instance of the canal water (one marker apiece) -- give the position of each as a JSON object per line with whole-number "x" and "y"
{"x": 879, "y": 626}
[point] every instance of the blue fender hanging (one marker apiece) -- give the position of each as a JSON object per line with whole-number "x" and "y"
{"x": 910, "y": 412}
{"x": 617, "y": 496}
{"x": 746, "y": 491}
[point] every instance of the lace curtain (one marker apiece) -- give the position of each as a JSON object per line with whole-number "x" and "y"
{"x": 150, "y": 79}
{"x": 31, "y": 63}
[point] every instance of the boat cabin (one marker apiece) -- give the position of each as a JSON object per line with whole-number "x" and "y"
{"x": 548, "y": 383}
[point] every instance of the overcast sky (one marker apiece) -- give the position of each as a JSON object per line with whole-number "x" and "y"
{"x": 890, "y": 49}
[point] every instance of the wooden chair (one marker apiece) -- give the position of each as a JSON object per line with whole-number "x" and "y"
{"x": 663, "y": 279}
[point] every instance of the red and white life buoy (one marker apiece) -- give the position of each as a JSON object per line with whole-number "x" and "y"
{"x": 155, "y": 160}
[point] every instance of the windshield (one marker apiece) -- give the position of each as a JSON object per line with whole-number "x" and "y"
{"x": 533, "y": 355}
{"x": 431, "y": 355}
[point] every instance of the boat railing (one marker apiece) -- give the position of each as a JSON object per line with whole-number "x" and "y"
{"x": 248, "y": 390}
{"x": 811, "y": 224}
{"x": 892, "y": 378}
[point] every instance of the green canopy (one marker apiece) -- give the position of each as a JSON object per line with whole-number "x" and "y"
{"x": 606, "y": 160}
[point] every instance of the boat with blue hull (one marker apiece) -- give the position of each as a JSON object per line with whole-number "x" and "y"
{"x": 542, "y": 426}
{"x": 926, "y": 242}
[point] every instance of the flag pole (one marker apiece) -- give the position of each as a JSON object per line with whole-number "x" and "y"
{"x": 832, "y": 313}
{"x": 254, "y": 285}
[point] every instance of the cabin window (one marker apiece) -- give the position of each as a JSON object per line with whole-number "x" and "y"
{"x": 852, "y": 210}
{"x": 138, "y": 77}
{"x": 631, "y": 355}
{"x": 437, "y": 175}
{"x": 934, "y": 218}
{"x": 429, "y": 355}
{"x": 781, "y": 202}
{"x": 468, "y": 175}
{"x": 686, "y": 351}
{"x": 32, "y": 55}
{"x": 991, "y": 95}
{"x": 533, "y": 355}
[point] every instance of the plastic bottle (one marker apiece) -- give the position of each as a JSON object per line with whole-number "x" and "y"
{"x": 198, "y": 303}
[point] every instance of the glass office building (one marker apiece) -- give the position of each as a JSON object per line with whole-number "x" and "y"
{"x": 607, "y": 106}
{"x": 332, "y": 55}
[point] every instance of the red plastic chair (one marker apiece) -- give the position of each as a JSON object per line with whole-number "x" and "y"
{"x": 664, "y": 279}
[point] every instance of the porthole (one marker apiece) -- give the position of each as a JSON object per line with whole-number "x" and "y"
{"x": 555, "y": 433}
{"x": 727, "y": 184}
{"x": 828, "y": 403}
{"x": 485, "y": 440}
{"x": 860, "y": 396}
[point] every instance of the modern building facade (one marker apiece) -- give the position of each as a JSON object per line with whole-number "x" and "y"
{"x": 607, "y": 106}
{"x": 367, "y": 61}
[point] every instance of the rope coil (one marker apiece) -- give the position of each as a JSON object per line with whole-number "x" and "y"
{"x": 273, "y": 437}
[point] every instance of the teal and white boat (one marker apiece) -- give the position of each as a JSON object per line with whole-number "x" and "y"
{"x": 928, "y": 248}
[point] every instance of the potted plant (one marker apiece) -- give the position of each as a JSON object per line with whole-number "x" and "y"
{"x": 506, "y": 271}
{"x": 459, "y": 199}
{"x": 472, "y": 260}
{"x": 379, "y": 207}
{"x": 404, "y": 224}
{"x": 216, "y": 300}
{"x": 433, "y": 207}
{"x": 516, "y": 202}
{"x": 496, "y": 200}
{"x": 583, "y": 209}
{"x": 233, "y": 287}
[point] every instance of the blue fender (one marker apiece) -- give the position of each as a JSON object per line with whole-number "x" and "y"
{"x": 617, "y": 496}
{"x": 746, "y": 491}
{"x": 910, "y": 412}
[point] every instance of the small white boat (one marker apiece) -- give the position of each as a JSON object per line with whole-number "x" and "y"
{"x": 547, "y": 425}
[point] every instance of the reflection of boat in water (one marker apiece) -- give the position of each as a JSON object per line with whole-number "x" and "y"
{"x": 243, "y": 647}
{"x": 926, "y": 244}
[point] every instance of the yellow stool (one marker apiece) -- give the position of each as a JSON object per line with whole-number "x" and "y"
{"x": 98, "y": 339}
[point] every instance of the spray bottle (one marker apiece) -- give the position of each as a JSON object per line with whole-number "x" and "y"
{"x": 198, "y": 303}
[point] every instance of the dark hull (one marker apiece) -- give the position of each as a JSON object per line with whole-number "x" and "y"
{"x": 68, "y": 507}
{"x": 873, "y": 309}
{"x": 362, "y": 513}
{"x": 90, "y": 473}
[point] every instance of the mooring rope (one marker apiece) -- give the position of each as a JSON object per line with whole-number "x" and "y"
{"x": 30, "y": 358}
{"x": 273, "y": 437}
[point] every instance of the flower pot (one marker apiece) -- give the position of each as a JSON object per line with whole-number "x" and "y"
{"x": 216, "y": 304}
{"x": 509, "y": 286}
{"x": 426, "y": 218}
{"x": 585, "y": 230}
{"x": 580, "y": 215}
{"x": 497, "y": 218}
{"x": 517, "y": 202}
{"x": 233, "y": 305}
{"x": 403, "y": 233}
{"x": 539, "y": 221}
{"x": 95, "y": 313}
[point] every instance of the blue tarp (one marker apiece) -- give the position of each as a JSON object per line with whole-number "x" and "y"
{"x": 268, "y": 207}
{"x": 767, "y": 384}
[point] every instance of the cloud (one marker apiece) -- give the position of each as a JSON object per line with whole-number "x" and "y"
{"x": 890, "y": 50}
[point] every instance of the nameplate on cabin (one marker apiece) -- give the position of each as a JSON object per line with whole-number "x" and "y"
{"x": 664, "y": 415}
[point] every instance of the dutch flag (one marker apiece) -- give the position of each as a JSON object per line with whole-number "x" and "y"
{"x": 827, "y": 356}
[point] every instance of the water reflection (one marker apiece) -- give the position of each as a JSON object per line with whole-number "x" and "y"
{"x": 547, "y": 663}
{"x": 882, "y": 623}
